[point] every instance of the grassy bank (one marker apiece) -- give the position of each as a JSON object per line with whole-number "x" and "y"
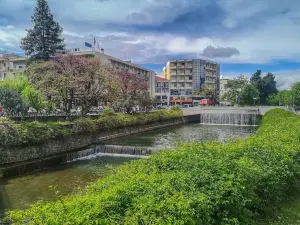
{"x": 32, "y": 133}
{"x": 200, "y": 183}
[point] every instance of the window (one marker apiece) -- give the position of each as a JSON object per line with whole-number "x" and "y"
{"x": 190, "y": 78}
{"x": 20, "y": 67}
{"x": 182, "y": 64}
{"x": 4, "y": 65}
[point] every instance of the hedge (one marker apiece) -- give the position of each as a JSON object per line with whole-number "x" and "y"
{"x": 199, "y": 183}
{"x": 32, "y": 133}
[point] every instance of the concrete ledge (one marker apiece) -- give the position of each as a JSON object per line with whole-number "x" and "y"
{"x": 18, "y": 160}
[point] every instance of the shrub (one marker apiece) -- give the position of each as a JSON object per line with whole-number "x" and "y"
{"x": 176, "y": 108}
{"x": 32, "y": 133}
{"x": 108, "y": 111}
{"x": 200, "y": 183}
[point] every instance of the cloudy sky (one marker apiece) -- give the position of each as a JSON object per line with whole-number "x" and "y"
{"x": 242, "y": 35}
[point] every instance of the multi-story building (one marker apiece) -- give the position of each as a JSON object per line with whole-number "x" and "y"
{"x": 188, "y": 75}
{"x": 10, "y": 65}
{"x": 162, "y": 91}
{"x": 116, "y": 63}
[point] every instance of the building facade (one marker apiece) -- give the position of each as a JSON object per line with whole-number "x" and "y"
{"x": 162, "y": 91}
{"x": 11, "y": 65}
{"x": 188, "y": 75}
{"x": 119, "y": 64}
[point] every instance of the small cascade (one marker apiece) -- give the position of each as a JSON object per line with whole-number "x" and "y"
{"x": 241, "y": 119}
{"x": 100, "y": 150}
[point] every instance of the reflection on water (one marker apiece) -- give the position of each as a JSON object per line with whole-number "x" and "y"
{"x": 20, "y": 192}
{"x": 171, "y": 136}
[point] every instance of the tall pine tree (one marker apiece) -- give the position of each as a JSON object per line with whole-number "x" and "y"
{"x": 45, "y": 38}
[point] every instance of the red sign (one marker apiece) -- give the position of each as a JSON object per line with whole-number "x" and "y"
{"x": 206, "y": 102}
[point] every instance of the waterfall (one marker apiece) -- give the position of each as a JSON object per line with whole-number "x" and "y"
{"x": 112, "y": 150}
{"x": 242, "y": 119}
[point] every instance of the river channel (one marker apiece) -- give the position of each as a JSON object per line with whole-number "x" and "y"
{"x": 21, "y": 192}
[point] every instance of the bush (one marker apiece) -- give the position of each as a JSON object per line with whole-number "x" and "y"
{"x": 200, "y": 183}
{"x": 176, "y": 108}
{"x": 108, "y": 111}
{"x": 32, "y": 133}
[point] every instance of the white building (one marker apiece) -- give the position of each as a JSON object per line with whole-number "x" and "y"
{"x": 162, "y": 91}
{"x": 11, "y": 65}
{"x": 116, "y": 63}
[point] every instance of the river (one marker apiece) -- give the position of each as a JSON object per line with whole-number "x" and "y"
{"x": 50, "y": 184}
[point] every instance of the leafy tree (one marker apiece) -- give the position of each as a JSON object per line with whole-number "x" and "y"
{"x": 235, "y": 89}
{"x": 9, "y": 97}
{"x": 281, "y": 98}
{"x": 256, "y": 77}
{"x": 267, "y": 87}
{"x": 19, "y": 90}
{"x": 44, "y": 40}
{"x": 295, "y": 94}
{"x": 132, "y": 91}
{"x": 71, "y": 79}
{"x": 249, "y": 95}
{"x": 33, "y": 98}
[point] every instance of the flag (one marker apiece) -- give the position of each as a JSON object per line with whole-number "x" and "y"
{"x": 88, "y": 45}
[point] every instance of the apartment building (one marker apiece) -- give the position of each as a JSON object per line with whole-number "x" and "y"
{"x": 11, "y": 65}
{"x": 162, "y": 91}
{"x": 188, "y": 75}
{"x": 116, "y": 63}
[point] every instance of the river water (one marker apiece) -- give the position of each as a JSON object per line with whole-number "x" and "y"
{"x": 49, "y": 185}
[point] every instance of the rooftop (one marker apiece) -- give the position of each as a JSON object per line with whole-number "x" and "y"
{"x": 93, "y": 52}
{"x": 157, "y": 78}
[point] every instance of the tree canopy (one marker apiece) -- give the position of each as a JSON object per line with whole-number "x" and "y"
{"x": 71, "y": 79}
{"x": 266, "y": 85}
{"x": 45, "y": 38}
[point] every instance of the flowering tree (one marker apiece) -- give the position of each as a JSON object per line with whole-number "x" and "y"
{"x": 71, "y": 79}
{"x": 132, "y": 91}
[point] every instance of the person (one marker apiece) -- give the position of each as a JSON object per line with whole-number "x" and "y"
{"x": 18, "y": 108}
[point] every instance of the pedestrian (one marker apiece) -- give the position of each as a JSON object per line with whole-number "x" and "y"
{"x": 18, "y": 108}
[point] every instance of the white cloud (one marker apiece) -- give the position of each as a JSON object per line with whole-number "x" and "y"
{"x": 285, "y": 79}
{"x": 261, "y": 31}
{"x": 10, "y": 36}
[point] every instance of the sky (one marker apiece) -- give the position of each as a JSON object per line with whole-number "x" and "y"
{"x": 242, "y": 35}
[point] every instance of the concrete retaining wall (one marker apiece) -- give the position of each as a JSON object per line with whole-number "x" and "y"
{"x": 16, "y": 156}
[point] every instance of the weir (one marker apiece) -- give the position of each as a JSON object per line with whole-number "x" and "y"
{"x": 230, "y": 117}
{"x": 109, "y": 150}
